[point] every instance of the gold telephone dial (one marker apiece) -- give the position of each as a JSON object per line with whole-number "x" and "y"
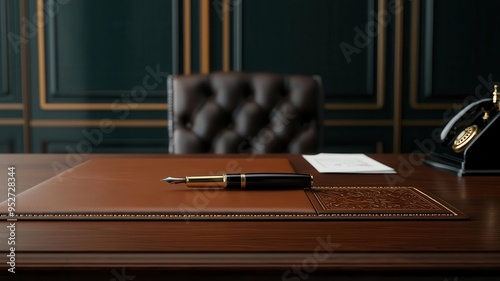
{"x": 470, "y": 139}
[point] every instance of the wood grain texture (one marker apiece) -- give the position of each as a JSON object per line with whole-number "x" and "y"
{"x": 472, "y": 244}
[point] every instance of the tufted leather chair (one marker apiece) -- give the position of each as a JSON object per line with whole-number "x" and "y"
{"x": 234, "y": 112}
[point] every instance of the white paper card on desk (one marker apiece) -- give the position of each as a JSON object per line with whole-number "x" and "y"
{"x": 347, "y": 163}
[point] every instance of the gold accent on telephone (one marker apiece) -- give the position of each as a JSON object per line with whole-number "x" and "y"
{"x": 469, "y": 122}
{"x": 464, "y": 138}
{"x": 470, "y": 139}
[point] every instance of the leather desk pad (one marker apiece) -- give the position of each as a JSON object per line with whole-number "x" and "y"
{"x": 131, "y": 188}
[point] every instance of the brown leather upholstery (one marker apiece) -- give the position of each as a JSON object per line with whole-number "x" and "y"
{"x": 235, "y": 112}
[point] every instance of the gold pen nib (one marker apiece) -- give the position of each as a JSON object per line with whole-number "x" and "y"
{"x": 174, "y": 180}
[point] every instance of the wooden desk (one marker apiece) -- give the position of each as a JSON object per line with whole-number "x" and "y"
{"x": 286, "y": 250}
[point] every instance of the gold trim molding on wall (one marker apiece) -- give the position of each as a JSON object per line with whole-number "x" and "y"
{"x": 42, "y": 72}
{"x": 204, "y": 60}
{"x": 25, "y": 78}
{"x": 11, "y": 121}
{"x": 187, "y": 36}
{"x": 204, "y": 13}
{"x": 97, "y": 123}
{"x": 204, "y": 36}
{"x": 11, "y": 106}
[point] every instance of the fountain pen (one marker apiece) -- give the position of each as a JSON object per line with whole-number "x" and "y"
{"x": 247, "y": 181}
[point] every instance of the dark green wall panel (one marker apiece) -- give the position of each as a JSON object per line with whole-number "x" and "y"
{"x": 457, "y": 58}
{"x": 290, "y": 36}
{"x": 195, "y": 36}
{"x": 421, "y": 139}
{"x": 10, "y": 41}
{"x": 100, "y": 48}
{"x": 117, "y": 56}
{"x": 11, "y": 139}
{"x": 11, "y": 114}
{"x": 123, "y": 112}
{"x": 107, "y": 139}
{"x": 216, "y": 21}
{"x": 357, "y": 139}
{"x": 4, "y": 85}
{"x": 460, "y": 43}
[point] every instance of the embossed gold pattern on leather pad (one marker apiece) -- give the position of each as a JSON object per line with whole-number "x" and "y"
{"x": 375, "y": 202}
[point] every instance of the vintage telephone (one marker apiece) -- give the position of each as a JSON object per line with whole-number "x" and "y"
{"x": 470, "y": 141}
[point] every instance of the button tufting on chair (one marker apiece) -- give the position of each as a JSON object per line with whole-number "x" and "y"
{"x": 234, "y": 112}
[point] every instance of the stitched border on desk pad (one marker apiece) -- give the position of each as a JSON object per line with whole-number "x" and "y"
{"x": 130, "y": 189}
{"x": 390, "y": 202}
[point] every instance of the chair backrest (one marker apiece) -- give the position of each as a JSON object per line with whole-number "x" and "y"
{"x": 234, "y": 112}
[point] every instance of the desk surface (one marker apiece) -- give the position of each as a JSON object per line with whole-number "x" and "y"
{"x": 472, "y": 244}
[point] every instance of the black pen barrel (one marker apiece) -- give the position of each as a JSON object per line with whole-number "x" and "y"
{"x": 268, "y": 181}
